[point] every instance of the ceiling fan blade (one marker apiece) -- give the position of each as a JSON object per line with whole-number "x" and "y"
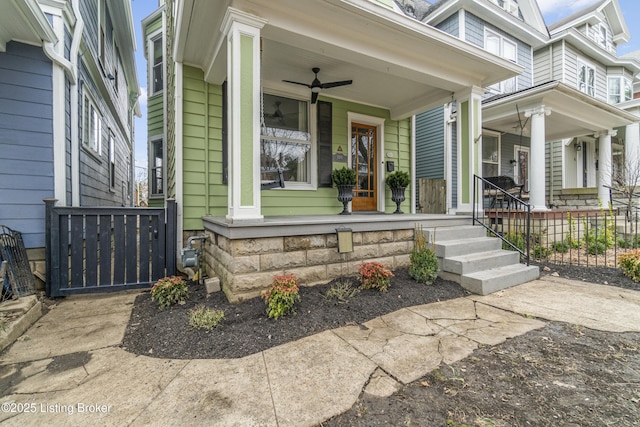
{"x": 298, "y": 83}
{"x": 336, "y": 84}
{"x": 314, "y": 97}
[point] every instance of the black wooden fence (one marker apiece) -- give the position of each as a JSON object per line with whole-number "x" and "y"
{"x": 96, "y": 249}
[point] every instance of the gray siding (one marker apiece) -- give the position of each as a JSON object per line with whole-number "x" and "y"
{"x": 26, "y": 140}
{"x": 454, "y": 166}
{"x": 430, "y": 144}
{"x": 542, "y": 66}
{"x": 554, "y": 170}
{"x": 67, "y": 118}
{"x": 475, "y": 34}
{"x": 451, "y": 25}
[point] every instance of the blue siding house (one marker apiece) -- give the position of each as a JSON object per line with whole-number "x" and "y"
{"x": 68, "y": 93}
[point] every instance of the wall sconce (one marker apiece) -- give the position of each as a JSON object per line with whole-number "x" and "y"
{"x": 111, "y": 76}
{"x": 345, "y": 240}
{"x": 513, "y": 162}
{"x": 577, "y": 146}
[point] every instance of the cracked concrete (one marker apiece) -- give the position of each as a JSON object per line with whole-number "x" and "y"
{"x": 72, "y": 360}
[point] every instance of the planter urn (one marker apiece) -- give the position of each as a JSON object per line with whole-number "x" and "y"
{"x": 397, "y": 196}
{"x": 345, "y": 194}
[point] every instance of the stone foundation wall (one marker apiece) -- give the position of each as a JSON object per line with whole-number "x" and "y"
{"x": 577, "y": 198}
{"x": 247, "y": 266}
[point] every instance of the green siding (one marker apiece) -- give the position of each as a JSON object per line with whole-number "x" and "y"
{"x": 154, "y": 116}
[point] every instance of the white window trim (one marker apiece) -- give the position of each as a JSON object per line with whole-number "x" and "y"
{"x": 622, "y": 80}
{"x": 498, "y": 137}
{"x": 588, "y": 64}
{"x": 86, "y": 140}
{"x": 111, "y": 140}
{"x": 313, "y": 151}
{"x": 151, "y": 167}
{"x": 499, "y": 88}
{"x": 150, "y": 53}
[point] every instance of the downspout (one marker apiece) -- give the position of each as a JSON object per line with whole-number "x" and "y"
{"x": 413, "y": 164}
{"x": 207, "y": 203}
{"x": 70, "y": 68}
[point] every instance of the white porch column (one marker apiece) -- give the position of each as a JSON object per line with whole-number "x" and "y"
{"x": 605, "y": 166}
{"x": 537, "y": 189}
{"x": 632, "y": 147}
{"x": 243, "y": 78}
{"x": 469, "y": 126}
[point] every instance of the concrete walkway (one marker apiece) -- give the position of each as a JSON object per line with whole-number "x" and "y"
{"x": 68, "y": 369}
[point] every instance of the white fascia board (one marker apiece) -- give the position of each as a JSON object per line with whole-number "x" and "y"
{"x": 495, "y": 16}
{"x": 36, "y": 20}
{"x": 587, "y": 46}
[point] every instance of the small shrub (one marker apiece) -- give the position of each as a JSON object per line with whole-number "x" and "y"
{"x": 630, "y": 264}
{"x": 629, "y": 242}
{"x": 424, "y": 266}
{"x": 561, "y": 247}
{"x": 169, "y": 290}
{"x": 341, "y": 292}
{"x": 516, "y": 239}
{"x": 541, "y": 252}
{"x": 205, "y": 318}
{"x": 282, "y": 296}
{"x": 374, "y": 275}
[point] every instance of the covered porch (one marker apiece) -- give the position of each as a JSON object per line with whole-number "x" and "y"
{"x": 246, "y": 255}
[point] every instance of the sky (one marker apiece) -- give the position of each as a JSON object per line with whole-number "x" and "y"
{"x": 552, "y": 10}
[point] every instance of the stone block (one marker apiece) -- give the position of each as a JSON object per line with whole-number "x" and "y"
{"x": 242, "y": 283}
{"x": 394, "y": 248}
{"x": 222, "y": 242}
{"x": 270, "y": 262}
{"x": 369, "y": 237}
{"x": 403, "y": 235}
{"x": 323, "y": 256}
{"x": 242, "y": 264}
{"x": 342, "y": 269}
{"x": 212, "y": 284}
{"x": 257, "y": 246}
{"x": 402, "y": 261}
{"x": 357, "y": 238}
{"x": 365, "y": 252}
{"x": 309, "y": 275}
{"x": 297, "y": 243}
{"x": 332, "y": 240}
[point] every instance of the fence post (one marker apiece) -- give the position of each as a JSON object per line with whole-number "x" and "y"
{"x": 48, "y": 220}
{"x": 171, "y": 253}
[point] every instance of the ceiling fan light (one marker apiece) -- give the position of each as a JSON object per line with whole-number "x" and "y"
{"x": 315, "y": 89}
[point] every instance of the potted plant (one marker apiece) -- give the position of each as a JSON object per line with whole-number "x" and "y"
{"x": 398, "y": 182}
{"x": 344, "y": 179}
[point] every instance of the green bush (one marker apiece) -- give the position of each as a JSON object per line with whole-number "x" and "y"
{"x": 341, "y": 292}
{"x": 374, "y": 275}
{"x": 398, "y": 179}
{"x": 169, "y": 290}
{"x": 205, "y": 318}
{"x": 516, "y": 239}
{"x": 629, "y": 242}
{"x": 282, "y": 296}
{"x": 424, "y": 266}
{"x": 541, "y": 252}
{"x": 343, "y": 176}
{"x": 561, "y": 247}
{"x": 630, "y": 264}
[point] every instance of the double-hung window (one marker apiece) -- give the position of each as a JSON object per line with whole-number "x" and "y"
{"x": 156, "y": 72}
{"x": 112, "y": 161}
{"x": 490, "y": 154}
{"x": 157, "y": 161}
{"x": 506, "y": 49}
{"x": 620, "y": 89}
{"x": 285, "y": 141}
{"x": 91, "y": 126}
{"x": 586, "y": 78}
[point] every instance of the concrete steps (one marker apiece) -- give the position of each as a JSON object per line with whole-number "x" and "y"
{"x": 467, "y": 256}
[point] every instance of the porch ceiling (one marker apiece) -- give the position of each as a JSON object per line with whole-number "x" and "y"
{"x": 573, "y": 113}
{"x": 395, "y": 62}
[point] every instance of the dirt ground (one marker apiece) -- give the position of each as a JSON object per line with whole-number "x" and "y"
{"x": 561, "y": 375}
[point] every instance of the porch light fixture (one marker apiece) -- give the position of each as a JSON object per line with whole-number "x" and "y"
{"x": 578, "y": 146}
{"x": 345, "y": 240}
{"x": 513, "y": 161}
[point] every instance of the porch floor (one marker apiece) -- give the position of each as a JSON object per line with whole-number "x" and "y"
{"x": 322, "y": 224}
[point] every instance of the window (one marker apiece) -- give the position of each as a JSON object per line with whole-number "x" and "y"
{"x": 285, "y": 141}
{"x": 506, "y": 49}
{"x": 601, "y": 35}
{"x": 490, "y": 155}
{"x": 157, "y": 70}
{"x": 102, "y": 18}
{"x": 112, "y": 162}
{"x": 586, "y": 78}
{"x": 510, "y": 6}
{"x": 157, "y": 187}
{"x": 91, "y": 126}
{"x": 620, "y": 89}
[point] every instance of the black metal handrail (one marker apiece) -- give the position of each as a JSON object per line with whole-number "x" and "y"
{"x": 517, "y": 210}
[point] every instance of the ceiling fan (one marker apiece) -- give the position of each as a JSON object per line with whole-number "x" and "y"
{"x": 316, "y": 85}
